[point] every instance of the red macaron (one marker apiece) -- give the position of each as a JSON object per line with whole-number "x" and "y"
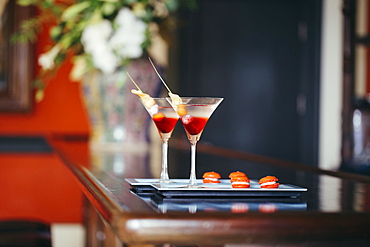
{"x": 211, "y": 177}
{"x": 269, "y": 182}
{"x": 240, "y": 182}
{"x": 237, "y": 174}
{"x": 239, "y": 179}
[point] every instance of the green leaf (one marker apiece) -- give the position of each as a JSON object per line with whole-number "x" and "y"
{"x": 108, "y": 8}
{"x": 147, "y": 41}
{"x": 66, "y": 41}
{"x": 38, "y": 83}
{"x": 110, "y": 1}
{"x": 14, "y": 38}
{"x": 74, "y": 10}
{"x": 31, "y": 36}
{"x": 60, "y": 58}
{"x": 148, "y": 15}
{"x": 25, "y": 2}
{"x": 55, "y": 32}
{"x": 129, "y": 1}
{"x": 95, "y": 17}
{"x": 23, "y": 39}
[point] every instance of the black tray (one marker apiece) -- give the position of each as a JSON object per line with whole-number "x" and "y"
{"x": 177, "y": 189}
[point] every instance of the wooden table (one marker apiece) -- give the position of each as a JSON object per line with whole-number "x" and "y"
{"x": 334, "y": 211}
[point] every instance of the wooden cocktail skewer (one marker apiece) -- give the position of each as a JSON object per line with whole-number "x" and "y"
{"x": 148, "y": 101}
{"x": 138, "y": 88}
{"x": 176, "y": 100}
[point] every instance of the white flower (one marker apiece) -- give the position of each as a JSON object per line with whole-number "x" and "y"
{"x": 108, "y": 47}
{"x": 129, "y": 36}
{"x": 46, "y": 60}
{"x": 95, "y": 39}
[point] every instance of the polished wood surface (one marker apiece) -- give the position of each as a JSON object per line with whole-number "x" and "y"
{"x": 336, "y": 206}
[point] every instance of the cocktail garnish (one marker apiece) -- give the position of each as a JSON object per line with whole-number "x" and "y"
{"x": 159, "y": 116}
{"x": 181, "y": 110}
{"x": 187, "y": 119}
{"x": 176, "y": 100}
{"x": 148, "y": 101}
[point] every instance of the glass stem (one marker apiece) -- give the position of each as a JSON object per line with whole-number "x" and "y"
{"x": 164, "y": 172}
{"x": 193, "y": 177}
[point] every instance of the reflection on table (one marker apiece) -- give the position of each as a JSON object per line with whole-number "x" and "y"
{"x": 334, "y": 210}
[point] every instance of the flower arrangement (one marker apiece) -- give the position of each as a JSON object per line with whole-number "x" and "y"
{"x": 96, "y": 34}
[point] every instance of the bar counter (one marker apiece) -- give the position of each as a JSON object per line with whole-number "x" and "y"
{"x": 334, "y": 211}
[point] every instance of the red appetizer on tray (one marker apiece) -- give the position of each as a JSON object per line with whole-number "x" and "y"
{"x": 240, "y": 182}
{"x": 239, "y": 179}
{"x": 213, "y": 187}
{"x": 269, "y": 182}
{"x": 237, "y": 174}
{"x": 211, "y": 177}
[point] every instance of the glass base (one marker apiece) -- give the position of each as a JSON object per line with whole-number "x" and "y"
{"x": 195, "y": 186}
{"x": 165, "y": 181}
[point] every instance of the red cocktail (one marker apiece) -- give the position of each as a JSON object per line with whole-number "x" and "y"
{"x": 194, "y": 113}
{"x": 164, "y": 124}
{"x": 165, "y": 119}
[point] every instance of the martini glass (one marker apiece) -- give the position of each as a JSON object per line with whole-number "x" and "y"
{"x": 194, "y": 113}
{"x": 165, "y": 119}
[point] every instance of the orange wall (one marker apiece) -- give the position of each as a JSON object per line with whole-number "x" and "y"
{"x": 60, "y": 112}
{"x": 38, "y": 186}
